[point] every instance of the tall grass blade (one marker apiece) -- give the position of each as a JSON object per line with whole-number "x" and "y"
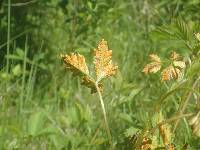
{"x": 23, "y": 75}
{"x": 8, "y": 37}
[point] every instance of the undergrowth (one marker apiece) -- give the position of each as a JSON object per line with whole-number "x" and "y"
{"x": 151, "y": 100}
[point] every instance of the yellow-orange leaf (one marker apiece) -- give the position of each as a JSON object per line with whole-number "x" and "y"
{"x": 171, "y": 73}
{"x": 75, "y": 63}
{"x": 180, "y": 64}
{"x": 102, "y": 61}
{"x": 197, "y": 35}
{"x": 154, "y": 58}
{"x": 194, "y": 122}
{"x": 152, "y": 68}
{"x": 174, "y": 56}
{"x": 103, "y": 66}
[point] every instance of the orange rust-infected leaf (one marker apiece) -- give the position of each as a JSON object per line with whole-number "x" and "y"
{"x": 170, "y": 73}
{"x": 176, "y": 60}
{"x": 102, "y": 60}
{"x": 179, "y": 64}
{"x": 194, "y": 122}
{"x": 75, "y": 63}
{"x": 146, "y": 144}
{"x": 103, "y": 66}
{"x": 163, "y": 135}
{"x": 154, "y": 58}
{"x": 197, "y": 35}
{"x": 174, "y": 56}
{"x": 173, "y": 71}
{"x": 170, "y": 147}
{"x": 154, "y": 66}
{"x": 165, "y": 138}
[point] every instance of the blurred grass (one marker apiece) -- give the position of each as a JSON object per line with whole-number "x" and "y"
{"x": 56, "y": 112}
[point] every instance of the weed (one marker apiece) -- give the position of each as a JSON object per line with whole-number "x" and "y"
{"x": 104, "y": 68}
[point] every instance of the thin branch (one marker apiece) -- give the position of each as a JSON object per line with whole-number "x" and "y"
{"x": 22, "y": 4}
{"x": 14, "y": 38}
{"x": 8, "y": 36}
{"x": 170, "y": 120}
{"x": 96, "y": 133}
{"x": 105, "y": 116}
{"x": 186, "y": 102}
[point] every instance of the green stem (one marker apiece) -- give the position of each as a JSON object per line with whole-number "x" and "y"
{"x": 8, "y": 38}
{"x": 13, "y": 38}
{"x": 186, "y": 102}
{"x": 104, "y": 115}
{"x": 4, "y": 106}
{"x": 24, "y": 76}
{"x": 170, "y": 120}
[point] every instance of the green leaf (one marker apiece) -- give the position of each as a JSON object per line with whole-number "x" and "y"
{"x": 50, "y": 130}
{"x": 131, "y": 131}
{"x": 14, "y": 57}
{"x": 194, "y": 69}
{"x": 126, "y": 118}
{"x": 36, "y": 123}
{"x": 183, "y": 29}
{"x": 79, "y": 110}
{"x": 20, "y": 52}
{"x": 99, "y": 141}
{"x": 58, "y": 141}
{"x": 17, "y": 70}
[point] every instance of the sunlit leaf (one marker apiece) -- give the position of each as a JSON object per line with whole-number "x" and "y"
{"x": 102, "y": 61}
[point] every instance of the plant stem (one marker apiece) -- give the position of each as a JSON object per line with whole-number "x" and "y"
{"x": 104, "y": 115}
{"x": 186, "y": 102}
{"x": 169, "y": 120}
{"x": 8, "y": 38}
{"x": 96, "y": 133}
{"x": 4, "y": 106}
{"x": 23, "y": 76}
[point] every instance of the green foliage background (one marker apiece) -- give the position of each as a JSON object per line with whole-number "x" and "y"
{"x": 43, "y": 107}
